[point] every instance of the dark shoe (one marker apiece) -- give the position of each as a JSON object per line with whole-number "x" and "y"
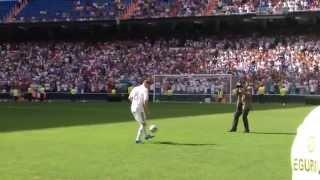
{"x": 139, "y": 142}
{"x": 246, "y": 131}
{"x": 232, "y": 130}
{"x": 149, "y": 137}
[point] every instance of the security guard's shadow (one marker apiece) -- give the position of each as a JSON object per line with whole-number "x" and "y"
{"x": 275, "y": 133}
{"x": 181, "y": 144}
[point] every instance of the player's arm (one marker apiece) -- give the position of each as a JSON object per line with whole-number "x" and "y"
{"x": 243, "y": 99}
{"x": 130, "y": 97}
{"x": 236, "y": 92}
{"x": 146, "y": 107}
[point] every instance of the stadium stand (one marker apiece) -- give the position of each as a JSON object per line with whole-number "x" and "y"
{"x": 81, "y": 10}
{"x": 45, "y": 10}
{"x": 153, "y": 8}
{"x": 192, "y": 7}
{"x": 264, "y": 6}
{"x": 96, "y": 9}
{"x": 67, "y": 10}
{"x": 5, "y": 8}
{"x": 292, "y": 61}
{"x": 90, "y": 66}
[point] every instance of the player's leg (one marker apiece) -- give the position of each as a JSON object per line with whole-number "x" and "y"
{"x": 260, "y": 98}
{"x": 284, "y": 100}
{"x": 29, "y": 97}
{"x": 245, "y": 120}
{"x": 237, "y": 114}
{"x": 140, "y": 118}
{"x": 236, "y": 117}
{"x": 140, "y": 133}
{"x": 147, "y": 136}
{"x": 41, "y": 97}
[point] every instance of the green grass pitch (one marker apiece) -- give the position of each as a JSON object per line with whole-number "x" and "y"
{"x": 93, "y": 141}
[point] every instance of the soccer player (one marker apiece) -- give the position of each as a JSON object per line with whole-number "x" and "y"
{"x": 139, "y": 97}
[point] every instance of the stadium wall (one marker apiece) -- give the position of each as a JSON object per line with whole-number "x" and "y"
{"x": 164, "y": 27}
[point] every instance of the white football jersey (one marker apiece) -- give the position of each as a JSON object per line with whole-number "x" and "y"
{"x": 139, "y": 95}
{"x": 305, "y": 152}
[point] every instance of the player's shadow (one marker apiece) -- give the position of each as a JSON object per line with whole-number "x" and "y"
{"x": 170, "y": 143}
{"x": 275, "y": 133}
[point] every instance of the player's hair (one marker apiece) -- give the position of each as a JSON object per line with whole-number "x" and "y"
{"x": 147, "y": 80}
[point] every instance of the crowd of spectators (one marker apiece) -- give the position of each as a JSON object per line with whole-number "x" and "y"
{"x": 95, "y": 9}
{"x": 264, "y": 6}
{"x": 153, "y": 9}
{"x": 169, "y": 8}
{"x": 192, "y": 7}
{"x": 183, "y": 8}
{"x": 292, "y": 61}
{"x": 114, "y": 9}
{"x": 192, "y": 84}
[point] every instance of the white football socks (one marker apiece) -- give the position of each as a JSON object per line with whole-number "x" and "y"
{"x": 141, "y": 132}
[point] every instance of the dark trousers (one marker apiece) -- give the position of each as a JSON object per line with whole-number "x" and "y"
{"x": 261, "y": 98}
{"x": 29, "y": 96}
{"x": 245, "y": 119}
{"x": 283, "y": 99}
{"x": 236, "y": 117}
{"x": 73, "y": 97}
{"x": 42, "y": 97}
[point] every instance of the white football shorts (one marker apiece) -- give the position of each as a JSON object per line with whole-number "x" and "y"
{"x": 140, "y": 117}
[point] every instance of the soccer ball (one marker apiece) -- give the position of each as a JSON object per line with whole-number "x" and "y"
{"x": 153, "y": 128}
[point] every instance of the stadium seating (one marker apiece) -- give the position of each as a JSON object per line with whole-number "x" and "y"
{"x": 43, "y": 10}
{"x": 153, "y": 9}
{"x": 67, "y": 10}
{"x": 192, "y": 7}
{"x": 95, "y": 9}
{"x": 5, "y": 7}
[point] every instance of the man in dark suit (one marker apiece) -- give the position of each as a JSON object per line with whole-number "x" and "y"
{"x": 243, "y": 106}
{"x": 238, "y": 93}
